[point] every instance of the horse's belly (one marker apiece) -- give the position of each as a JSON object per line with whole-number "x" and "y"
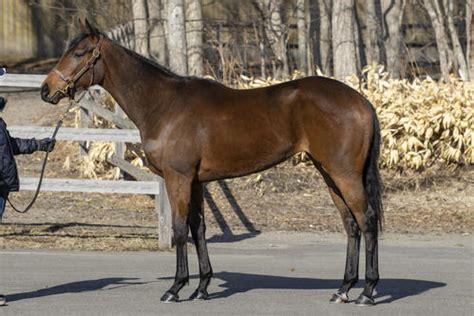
{"x": 236, "y": 161}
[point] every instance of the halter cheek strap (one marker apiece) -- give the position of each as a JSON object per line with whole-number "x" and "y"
{"x": 70, "y": 82}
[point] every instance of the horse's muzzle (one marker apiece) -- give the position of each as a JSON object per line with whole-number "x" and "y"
{"x": 45, "y": 92}
{"x": 54, "y": 99}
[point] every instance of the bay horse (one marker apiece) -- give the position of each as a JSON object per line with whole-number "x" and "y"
{"x": 195, "y": 130}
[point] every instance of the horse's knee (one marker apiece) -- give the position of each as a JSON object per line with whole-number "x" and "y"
{"x": 351, "y": 227}
{"x": 180, "y": 232}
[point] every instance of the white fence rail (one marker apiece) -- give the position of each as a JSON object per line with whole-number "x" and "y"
{"x": 21, "y": 81}
{"x": 92, "y": 186}
{"x": 77, "y": 134}
{"x": 147, "y": 183}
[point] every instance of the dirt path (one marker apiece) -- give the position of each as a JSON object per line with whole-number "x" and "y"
{"x": 283, "y": 198}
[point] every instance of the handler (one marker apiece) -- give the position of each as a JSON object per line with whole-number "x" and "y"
{"x": 9, "y": 147}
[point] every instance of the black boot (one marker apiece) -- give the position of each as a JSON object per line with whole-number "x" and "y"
{"x": 3, "y": 300}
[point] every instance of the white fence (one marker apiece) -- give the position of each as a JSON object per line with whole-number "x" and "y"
{"x": 146, "y": 183}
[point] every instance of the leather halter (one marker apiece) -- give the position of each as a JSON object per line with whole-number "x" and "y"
{"x": 70, "y": 82}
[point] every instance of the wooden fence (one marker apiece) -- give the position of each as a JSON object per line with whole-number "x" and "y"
{"x": 146, "y": 183}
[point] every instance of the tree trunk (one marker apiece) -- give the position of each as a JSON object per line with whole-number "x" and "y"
{"x": 460, "y": 59}
{"x": 325, "y": 43}
{"x": 320, "y": 34}
{"x": 157, "y": 31}
{"x": 360, "y": 60}
{"x": 432, "y": 6}
{"x": 379, "y": 32}
{"x": 375, "y": 49}
{"x": 140, "y": 26}
{"x": 302, "y": 36}
{"x": 176, "y": 37}
{"x": 310, "y": 58}
{"x": 393, "y": 13}
{"x": 469, "y": 37}
{"x": 343, "y": 43}
{"x": 194, "y": 37}
{"x": 371, "y": 47}
{"x": 276, "y": 33}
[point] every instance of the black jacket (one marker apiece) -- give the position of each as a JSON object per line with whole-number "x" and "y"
{"x": 9, "y": 147}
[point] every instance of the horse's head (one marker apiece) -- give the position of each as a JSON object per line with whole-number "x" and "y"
{"x": 80, "y": 67}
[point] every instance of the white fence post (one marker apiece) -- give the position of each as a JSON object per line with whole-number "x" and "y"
{"x": 85, "y": 121}
{"x": 120, "y": 147}
{"x": 162, "y": 206}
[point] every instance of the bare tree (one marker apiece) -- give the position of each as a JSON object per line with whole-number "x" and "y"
{"x": 375, "y": 49}
{"x": 436, "y": 17}
{"x": 371, "y": 48}
{"x": 277, "y": 34}
{"x": 325, "y": 41}
{"x": 302, "y": 36}
{"x": 157, "y": 31}
{"x": 176, "y": 37}
{"x": 140, "y": 25}
{"x": 194, "y": 29}
{"x": 343, "y": 38}
{"x": 393, "y": 38}
{"x": 460, "y": 60}
{"x": 451, "y": 55}
{"x": 469, "y": 37}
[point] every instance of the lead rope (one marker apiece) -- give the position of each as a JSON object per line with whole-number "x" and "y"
{"x": 72, "y": 103}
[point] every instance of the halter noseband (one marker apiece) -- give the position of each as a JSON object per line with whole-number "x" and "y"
{"x": 70, "y": 82}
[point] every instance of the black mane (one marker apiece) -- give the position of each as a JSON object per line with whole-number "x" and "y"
{"x": 150, "y": 62}
{"x": 76, "y": 40}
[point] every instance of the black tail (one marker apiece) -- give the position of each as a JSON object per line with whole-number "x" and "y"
{"x": 372, "y": 180}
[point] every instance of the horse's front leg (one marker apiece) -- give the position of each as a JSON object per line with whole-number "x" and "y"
{"x": 198, "y": 231}
{"x": 178, "y": 187}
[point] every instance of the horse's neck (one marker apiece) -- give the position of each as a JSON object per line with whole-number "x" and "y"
{"x": 133, "y": 86}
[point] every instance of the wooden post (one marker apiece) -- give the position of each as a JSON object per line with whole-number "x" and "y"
{"x": 163, "y": 208}
{"x": 84, "y": 122}
{"x": 120, "y": 147}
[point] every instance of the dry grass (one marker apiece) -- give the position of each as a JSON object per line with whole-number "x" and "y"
{"x": 424, "y": 122}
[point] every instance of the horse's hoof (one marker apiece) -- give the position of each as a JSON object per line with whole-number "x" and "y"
{"x": 339, "y": 298}
{"x": 169, "y": 297}
{"x": 199, "y": 295}
{"x": 364, "y": 301}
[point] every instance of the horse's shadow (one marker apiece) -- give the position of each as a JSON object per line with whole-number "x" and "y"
{"x": 75, "y": 287}
{"x": 388, "y": 290}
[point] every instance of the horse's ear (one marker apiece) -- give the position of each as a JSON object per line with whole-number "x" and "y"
{"x": 82, "y": 26}
{"x": 91, "y": 29}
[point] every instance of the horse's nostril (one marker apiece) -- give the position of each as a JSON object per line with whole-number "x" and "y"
{"x": 44, "y": 91}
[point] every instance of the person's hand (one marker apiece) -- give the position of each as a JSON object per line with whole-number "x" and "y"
{"x": 46, "y": 144}
{"x": 3, "y": 102}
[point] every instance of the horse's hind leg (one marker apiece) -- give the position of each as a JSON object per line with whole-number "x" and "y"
{"x": 198, "y": 231}
{"x": 178, "y": 187}
{"x": 351, "y": 273}
{"x": 354, "y": 195}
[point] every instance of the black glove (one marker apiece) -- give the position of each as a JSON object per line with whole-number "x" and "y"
{"x": 3, "y": 103}
{"x": 46, "y": 144}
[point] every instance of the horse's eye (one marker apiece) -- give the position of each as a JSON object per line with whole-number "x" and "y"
{"x": 79, "y": 53}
